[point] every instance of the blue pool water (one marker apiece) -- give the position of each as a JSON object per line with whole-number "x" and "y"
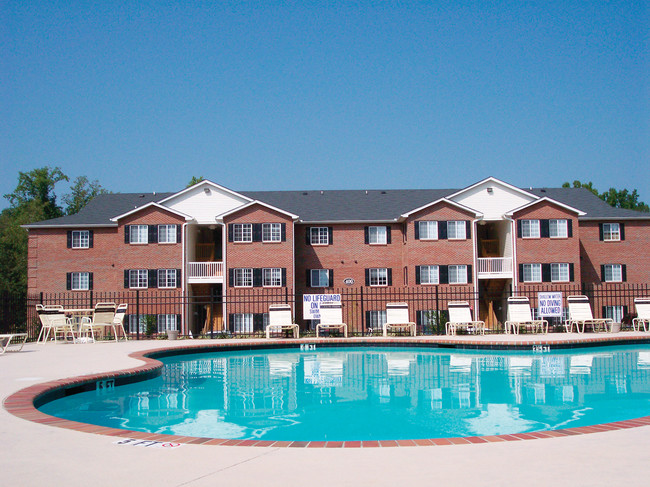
{"x": 373, "y": 393}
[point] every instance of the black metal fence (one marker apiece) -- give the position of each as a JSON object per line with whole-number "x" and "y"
{"x": 244, "y": 312}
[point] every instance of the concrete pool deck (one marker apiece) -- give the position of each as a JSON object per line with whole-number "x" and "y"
{"x": 39, "y": 454}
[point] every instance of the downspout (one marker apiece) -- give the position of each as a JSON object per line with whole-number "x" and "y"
{"x": 475, "y": 272}
{"x": 513, "y": 237}
{"x": 184, "y": 277}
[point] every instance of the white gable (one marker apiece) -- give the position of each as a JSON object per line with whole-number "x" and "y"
{"x": 204, "y": 201}
{"x": 493, "y": 198}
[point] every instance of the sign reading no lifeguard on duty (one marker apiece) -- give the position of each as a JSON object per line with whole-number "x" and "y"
{"x": 311, "y": 304}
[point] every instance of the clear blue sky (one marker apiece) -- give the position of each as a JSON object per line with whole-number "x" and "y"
{"x": 143, "y": 95}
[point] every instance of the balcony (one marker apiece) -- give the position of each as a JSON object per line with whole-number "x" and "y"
{"x": 495, "y": 268}
{"x": 204, "y": 272}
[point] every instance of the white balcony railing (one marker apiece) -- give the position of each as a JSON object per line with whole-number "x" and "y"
{"x": 494, "y": 267}
{"x": 205, "y": 271}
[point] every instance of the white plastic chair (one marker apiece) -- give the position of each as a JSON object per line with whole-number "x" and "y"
{"x": 118, "y": 321}
{"x": 642, "y": 306}
{"x": 331, "y": 316}
{"x": 580, "y": 315}
{"x": 397, "y": 318}
{"x": 280, "y": 320}
{"x": 520, "y": 314}
{"x": 102, "y": 316}
{"x": 460, "y": 316}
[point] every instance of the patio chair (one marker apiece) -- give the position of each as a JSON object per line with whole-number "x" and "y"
{"x": 460, "y": 316}
{"x": 118, "y": 321}
{"x": 12, "y": 340}
{"x": 519, "y": 314}
{"x": 397, "y": 318}
{"x": 280, "y": 320}
{"x": 580, "y": 315}
{"x": 53, "y": 320}
{"x": 642, "y": 306}
{"x": 103, "y": 316}
{"x": 331, "y": 316}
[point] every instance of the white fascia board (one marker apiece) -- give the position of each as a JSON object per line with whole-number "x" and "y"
{"x": 614, "y": 218}
{"x": 255, "y": 202}
{"x": 552, "y": 201}
{"x": 353, "y": 222}
{"x": 157, "y": 205}
{"x": 206, "y": 182}
{"x": 443, "y": 200}
{"x": 71, "y": 225}
{"x": 494, "y": 181}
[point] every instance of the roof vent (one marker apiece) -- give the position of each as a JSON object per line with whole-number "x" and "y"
{"x": 305, "y": 194}
{"x": 490, "y": 189}
{"x": 321, "y": 192}
{"x": 383, "y": 192}
{"x": 141, "y": 196}
{"x": 543, "y": 190}
{"x": 366, "y": 191}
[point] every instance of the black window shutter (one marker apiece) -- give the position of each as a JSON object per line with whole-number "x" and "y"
{"x": 90, "y": 281}
{"x": 442, "y": 230}
{"x": 621, "y": 226}
{"x": 602, "y": 273}
{"x": 330, "y": 275}
{"x": 418, "y": 317}
{"x": 544, "y": 229}
{"x": 417, "y": 274}
{"x": 601, "y": 235}
{"x": 569, "y": 227}
{"x": 624, "y": 272}
{"x": 366, "y": 235}
{"x": 367, "y": 319}
{"x": 521, "y": 272}
{"x": 388, "y": 234}
{"x": 257, "y": 277}
{"x": 179, "y": 237}
{"x": 127, "y": 233}
{"x": 390, "y": 276}
{"x": 308, "y": 278}
{"x": 68, "y": 281}
{"x": 284, "y": 277}
{"x": 468, "y": 229}
{"x": 443, "y": 271}
{"x": 231, "y": 322}
{"x": 546, "y": 272}
{"x": 604, "y": 312}
{"x": 283, "y": 232}
{"x": 469, "y": 273}
{"x": 91, "y": 239}
{"x": 571, "y": 273}
{"x": 625, "y": 311}
{"x": 153, "y": 233}
{"x": 257, "y": 232}
{"x": 330, "y": 235}
{"x": 367, "y": 277}
{"x": 178, "y": 322}
{"x": 258, "y": 321}
{"x": 178, "y": 278}
{"x": 69, "y": 239}
{"x": 308, "y": 235}
{"x": 231, "y": 233}
{"x": 126, "y": 278}
{"x": 231, "y": 277}
{"x": 153, "y": 277}
{"x": 417, "y": 230}
{"x": 518, "y": 228}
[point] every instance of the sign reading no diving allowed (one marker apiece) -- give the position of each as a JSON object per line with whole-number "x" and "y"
{"x": 550, "y": 304}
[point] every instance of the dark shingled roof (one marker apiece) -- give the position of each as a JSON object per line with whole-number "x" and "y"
{"x": 338, "y": 205}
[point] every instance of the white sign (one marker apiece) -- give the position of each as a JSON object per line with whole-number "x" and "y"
{"x": 311, "y": 304}
{"x": 550, "y": 304}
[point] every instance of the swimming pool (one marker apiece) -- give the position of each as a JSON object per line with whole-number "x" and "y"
{"x": 337, "y": 394}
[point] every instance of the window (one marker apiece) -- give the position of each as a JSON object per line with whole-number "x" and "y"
{"x": 615, "y": 313}
{"x": 243, "y": 322}
{"x": 80, "y": 239}
{"x": 377, "y": 235}
{"x": 560, "y": 273}
{"x": 319, "y": 235}
{"x": 558, "y": 228}
{"x": 136, "y": 325}
{"x": 242, "y": 232}
{"x": 138, "y": 278}
{"x": 530, "y": 228}
{"x": 320, "y": 278}
{"x": 243, "y": 277}
{"x": 271, "y": 232}
{"x": 272, "y": 277}
{"x": 429, "y": 274}
{"x": 166, "y": 323}
{"x": 611, "y": 232}
{"x": 378, "y": 277}
{"x": 139, "y": 234}
{"x": 532, "y": 272}
{"x": 428, "y": 230}
{"x": 167, "y": 278}
{"x": 376, "y": 319}
{"x": 457, "y": 274}
{"x": 167, "y": 234}
{"x": 80, "y": 281}
{"x": 456, "y": 230}
{"x": 613, "y": 273}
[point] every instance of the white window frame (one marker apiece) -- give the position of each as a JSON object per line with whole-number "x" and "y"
{"x": 319, "y": 236}
{"x": 242, "y": 232}
{"x": 560, "y": 272}
{"x": 272, "y": 277}
{"x": 456, "y": 230}
{"x": 319, "y": 275}
{"x": 558, "y": 228}
{"x": 80, "y": 281}
{"x": 376, "y": 319}
{"x": 167, "y": 234}
{"x": 139, "y": 234}
{"x": 378, "y": 235}
{"x": 615, "y": 313}
{"x": 432, "y": 273}
{"x": 243, "y": 277}
{"x": 167, "y": 322}
{"x": 137, "y": 277}
{"x": 167, "y": 278}
{"x": 243, "y": 323}
{"x": 530, "y": 229}
{"x": 271, "y": 232}
{"x": 80, "y": 239}
{"x": 428, "y": 230}
{"x": 531, "y": 272}
{"x": 134, "y": 325}
{"x": 378, "y": 277}
{"x": 611, "y": 232}
{"x": 615, "y": 272}
{"x": 459, "y": 273}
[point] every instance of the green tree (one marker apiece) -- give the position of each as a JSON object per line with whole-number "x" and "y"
{"x": 578, "y": 184}
{"x": 81, "y": 192}
{"x": 613, "y": 197}
{"x": 195, "y": 180}
{"x": 38, "y": 185}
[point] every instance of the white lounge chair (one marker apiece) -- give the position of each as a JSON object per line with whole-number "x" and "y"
{"x": 12, "y": 340}
{"x": 118, "y": 322}
{"x": 102, "y": 316}
{"x": 280, "y": 320}
{"x": 642, "y": 306}
{"x": 397, "y": 318}
{"x": 519, "y": 314}
{"x": 460, "y": 316}
{"x": 331, "y": 316}
{"x": 580, "y": 315}
{"x": 53, "y": 320}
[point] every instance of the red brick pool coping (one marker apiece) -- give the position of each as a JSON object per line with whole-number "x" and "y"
{"x": 21, "y": 403}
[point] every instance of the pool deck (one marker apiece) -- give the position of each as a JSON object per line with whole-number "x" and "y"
{"x": 40, "y": 454}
